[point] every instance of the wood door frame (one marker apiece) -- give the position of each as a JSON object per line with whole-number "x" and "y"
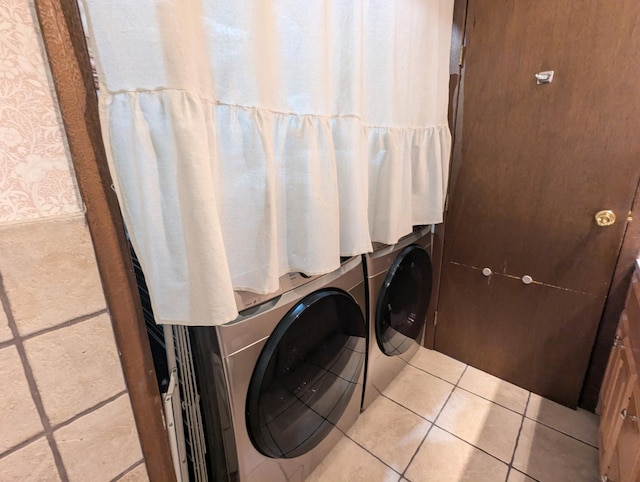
{"x": 629, "y": 248}
{"x": 73, "y": 80}
{"x": 616, "y": 297}
{"x": 456, "y": 84}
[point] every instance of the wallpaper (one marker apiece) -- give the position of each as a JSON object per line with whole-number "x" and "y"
{"x": 36, "y": 177}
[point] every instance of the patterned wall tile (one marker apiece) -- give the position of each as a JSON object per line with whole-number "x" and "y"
{"x": 36, "y": 177}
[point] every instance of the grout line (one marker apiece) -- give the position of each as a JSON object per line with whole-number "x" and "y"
{"x": 511, "y": 409}
{"x": 454, "y": 435}
{"x": 65, "y": 324}
{"x": 439, "y": 377}
{"x": 7, "y": 343}
{"x": 563, "y": 433}
{"x": 371, "y": 453}
{"x": 127, "y": 470}
{"x": 449, "y": 397}
{"x": 433, "y": 424}
{"x": 515, "y": 447}
{"x": 418, "y": 449}
{"x": 513, "y": 469}
{"x": 21, "y": 445}
{"x": 461, "y": 375}
{"x": 416, "y": 413}
{"x": 49, "y": 218}
{"x": 87, "y": 411}
{"x": 474, "y": 446}
{"x": 408, "y": 409}
{"x": 31, "y": 381}
{"x": 504, "y": 406}
{"x": 523, "y": 415}
{"x": 496, "y": 403}
{"x": 433, "y": 375}
{"x": 457, "y": 384}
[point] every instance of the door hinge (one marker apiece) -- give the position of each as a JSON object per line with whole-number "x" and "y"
{"x": 630, "y": 216}
{"x": 435, "y": 319}
{"x": 462, "y": 52}
{"x": 446, "y": 203}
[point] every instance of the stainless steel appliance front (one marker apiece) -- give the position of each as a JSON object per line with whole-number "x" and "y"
{"x": 289, "y": 375}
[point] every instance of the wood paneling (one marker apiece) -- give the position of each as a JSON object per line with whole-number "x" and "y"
{"x": 540, "y": 161}
{"x": 533, "y": 164}
{"x": 517, "y": 331}
{"x": 457, "y": 42}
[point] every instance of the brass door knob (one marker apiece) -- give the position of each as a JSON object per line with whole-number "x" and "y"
{"x": 605, "y": 218}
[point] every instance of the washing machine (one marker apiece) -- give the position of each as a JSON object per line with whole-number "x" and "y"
{"x": 399, "y": 281}
{"x": 282, "y": 382}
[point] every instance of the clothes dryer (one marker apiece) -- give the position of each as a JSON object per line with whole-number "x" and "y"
{"x": 399, "y": 280}
{"x": 285, "y": 379}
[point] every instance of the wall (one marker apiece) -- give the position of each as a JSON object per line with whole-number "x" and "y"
{"x": 35, "y": 173}
{"x": 64, "y": 410}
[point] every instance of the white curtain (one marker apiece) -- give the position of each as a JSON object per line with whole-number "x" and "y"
{"x": 248, "y": 139}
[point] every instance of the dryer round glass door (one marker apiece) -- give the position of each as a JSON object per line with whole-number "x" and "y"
{"x": 306, "y": 374}
{"x": 403, "y": 301}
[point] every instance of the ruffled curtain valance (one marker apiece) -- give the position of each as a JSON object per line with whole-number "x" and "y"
{"x": 248, "y": 139}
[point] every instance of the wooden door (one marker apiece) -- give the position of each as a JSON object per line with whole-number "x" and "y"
{"x": 532, "y": 166}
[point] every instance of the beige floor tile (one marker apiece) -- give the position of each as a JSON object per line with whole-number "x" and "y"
{"x": 390, "y": 432}
{"x": 494, "y": 389}
{"x": 75, "y": 367}
{"x": 33, "y": 462}
{"x": 49, "y": 272}
{"x": 445, "y": 458}
{"x": 420, "y": 392}
{"x": 515, "y": 476}
{"x": 348, "y": 462}
{"x": 548, "y": 455}
{"x": 5, "y": 331}
{"x": 578, "y": 423}
{"x": 103, "y": 442}
{"x": 19, "y": 418}
{"x": 139, "y": 474}
{"x": 482, "y": 423}
{"x": 438, "y": 364}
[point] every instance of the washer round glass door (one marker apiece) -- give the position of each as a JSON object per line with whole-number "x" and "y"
{"x": 403, "y": 301}
{"x": 306, "y": 374}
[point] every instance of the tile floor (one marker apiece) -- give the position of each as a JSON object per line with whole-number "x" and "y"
{"x": 441, "y": 420}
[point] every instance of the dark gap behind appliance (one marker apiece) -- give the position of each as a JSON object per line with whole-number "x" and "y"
{"x": 182, "y": 408}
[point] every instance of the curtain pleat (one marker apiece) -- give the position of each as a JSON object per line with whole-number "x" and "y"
{"x": 250, "y": 139}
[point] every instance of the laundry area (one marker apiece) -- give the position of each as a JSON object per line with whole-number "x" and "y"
{"x": 320, "y": 241}
{"x": 283, "y": 217}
